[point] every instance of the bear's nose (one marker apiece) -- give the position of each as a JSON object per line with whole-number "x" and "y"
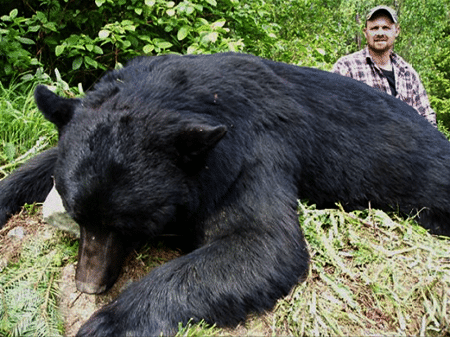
{"x": 100, "y": 258}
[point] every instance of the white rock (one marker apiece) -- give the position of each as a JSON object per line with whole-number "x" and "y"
{"x": 17, "y": 232}
{"x": 54, "y": 214}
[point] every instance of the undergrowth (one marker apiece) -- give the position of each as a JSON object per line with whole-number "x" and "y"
{"x": 29, "y": 286}
{"x": 23, "y": 130}
{"x": 370, "y": 274}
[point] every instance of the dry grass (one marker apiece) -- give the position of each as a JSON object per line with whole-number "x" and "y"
{"x": 371, "y": 274}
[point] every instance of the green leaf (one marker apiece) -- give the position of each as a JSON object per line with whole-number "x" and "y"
{"x": 126, "y": 44}
{"x": 235, "y": 46}
{"x": 150, "y": 3}
{"x": 59, "y": 49}
{"x": 145, "y": 38}
{"x": 34, "y": 62}
{"x": 138, "y": 11}
{"x": 10, "y": 151}
{"x": 99, "y": 3}
{"x": 203, "y": 21}
{"x": 76, "y": 64}
{"x": 41, "y": 17}
{"x": 13, "y": 13}
{"x": 90, "y": 61}
{"x": 170, "y": 12}
{"x": 148, "y": 48}
{"x": 192, "y": 49}
{"x": 212, "y": 2}
{"x": 50, "y": 25}
{"x": 98, "y": 50}
{"x": 103, "y": 34}
{"x": 73, "y": 39}
{"x": 321, "y": 51}
{"x": 218, "y": 23}
{"x": 24, "y": 40}
{"x": 27, "y": 77}
{"x": 127, "y": 23}
{"x": 210, "y": 37}
{"x": 190, "y": 10}
{"x": 181, "y": 7}
{"x": 183, "y": 32}
{"x": 33, "y": 28}
{"x": 163, "y": 44}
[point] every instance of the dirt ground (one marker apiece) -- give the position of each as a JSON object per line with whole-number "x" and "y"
{"x": 76, "y": 307}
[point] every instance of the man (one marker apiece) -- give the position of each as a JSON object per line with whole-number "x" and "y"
{"x": 378, "y": 66}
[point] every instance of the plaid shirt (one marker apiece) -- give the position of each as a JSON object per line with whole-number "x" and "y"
{"x": 361, "y": 67}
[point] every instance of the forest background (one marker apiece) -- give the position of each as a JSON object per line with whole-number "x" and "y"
{"x": 371, "y": 274}
{"x": 70, "y": 44}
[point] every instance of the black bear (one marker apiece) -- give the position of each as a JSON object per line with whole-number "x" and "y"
{"x": 218, "y": 148}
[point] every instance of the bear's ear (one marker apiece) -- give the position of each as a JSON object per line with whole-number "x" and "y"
{"x": 197, "y": 139}
{"x": 56, "y": 109}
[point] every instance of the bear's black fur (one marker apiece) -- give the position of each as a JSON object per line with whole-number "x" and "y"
{"x": 219, "y": 148}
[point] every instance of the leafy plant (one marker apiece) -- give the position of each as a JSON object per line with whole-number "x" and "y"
{"x": 29, "y": 288}
{"x": 84, "y": 38}
{"x": 14, "y": 43}
{"x": 23, "y": 130}
{"x": 440, "y": 80}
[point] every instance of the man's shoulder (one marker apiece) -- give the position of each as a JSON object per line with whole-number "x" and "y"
{"x": 358, "y": 57}
{"x": 401, "y": 62}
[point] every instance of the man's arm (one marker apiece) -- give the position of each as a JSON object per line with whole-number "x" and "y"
{"x": 341, "y": 68}
{"x": 421, "y": 102}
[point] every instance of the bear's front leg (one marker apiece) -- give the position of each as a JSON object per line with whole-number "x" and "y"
{"x": 30, "y": 183}
{"x": 245, "y": 271}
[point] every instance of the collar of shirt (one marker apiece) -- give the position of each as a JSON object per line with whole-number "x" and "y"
{"x": 399, "y": 66}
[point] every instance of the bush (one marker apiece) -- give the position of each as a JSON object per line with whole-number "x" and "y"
{"x": 440, "y": 83}
{"x": 84, "y": 38}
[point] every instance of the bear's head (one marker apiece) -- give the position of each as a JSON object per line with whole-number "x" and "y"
{"x": 123, "y": 174}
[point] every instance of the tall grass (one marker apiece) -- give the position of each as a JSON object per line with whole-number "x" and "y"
{"x": 23, "y": 130}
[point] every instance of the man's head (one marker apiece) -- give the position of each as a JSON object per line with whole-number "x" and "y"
{"x": 381, "y": 29}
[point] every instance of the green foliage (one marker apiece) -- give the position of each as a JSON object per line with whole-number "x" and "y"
{"x": 440, "y": 80}
{"x": 29, "y": 288}
{"x": 15, "y": 51}
{"x": 422, "y": 23}
{"x": 310, "y": 33}
{"x": 84, "y": 38}
{"x": 147, "y": 27}
{"x": 370, "y": 275}
{"x": 23, "y": 130}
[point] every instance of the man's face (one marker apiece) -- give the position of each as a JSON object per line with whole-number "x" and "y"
{"x": 381, "y": 33}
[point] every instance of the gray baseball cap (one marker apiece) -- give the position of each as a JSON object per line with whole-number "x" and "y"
{"x": 392, "y": 13}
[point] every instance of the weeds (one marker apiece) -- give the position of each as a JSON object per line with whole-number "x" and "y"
{"x": 29, "y": 286}
{"x": 371, "y": 274}
{"x": 23, "y": 130}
